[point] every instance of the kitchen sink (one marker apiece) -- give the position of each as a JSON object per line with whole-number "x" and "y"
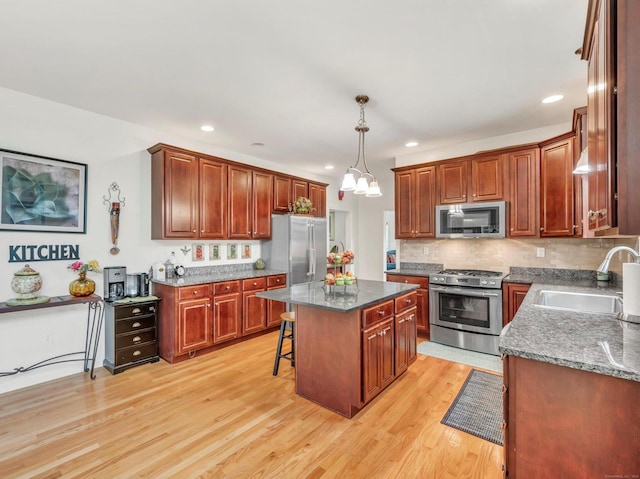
{"x": 583, "y": 302}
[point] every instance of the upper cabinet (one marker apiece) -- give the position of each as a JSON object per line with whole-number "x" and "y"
{"x": 415, "y": 202}
{"x": 557, "y": 188}
{"x": 480, "y": 178}
{"x": 613, "y": 111}
{"x": 188, "y": 196}
{"x": 197, "y": 196}
{"x": 524, "y": 178}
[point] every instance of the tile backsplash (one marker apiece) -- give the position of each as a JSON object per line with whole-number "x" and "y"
{"x": 501, "y": 254}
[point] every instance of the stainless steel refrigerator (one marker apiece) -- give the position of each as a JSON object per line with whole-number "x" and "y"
{"x": 298, "y": 245}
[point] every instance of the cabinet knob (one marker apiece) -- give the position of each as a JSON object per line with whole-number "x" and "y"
{"x": 136, "y": 339}
{"x": 137, "y": 353}
{"x": 193, "y": 231}
{"x": 228, "y": 287}
{"x": 208, "y": 305}
{"x": 201, "y": 231}
{"x": 135, "y": 311}
{"x": 255, "y": 284}
{"x": 380, "y": 312}
{"x": 511, "y": 229}
{"x": 406, "y": 280}
{"x": 136, "y": 325}
{"x": 195, "y": 291}
{"x": 408, "y": 301}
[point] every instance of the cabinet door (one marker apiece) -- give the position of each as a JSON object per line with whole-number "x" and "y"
{"x": 300, "y": 188}
{"x": 556, "y": 189}
{"x": 487, "y": 178}
{"x": 402, "y": 346}
{"x": 227, "y": 315}
{"x": 240, "y": 193}
{"x": 424, "y": 202}
{"x": 281, "y": 194}
{"x": 422, "y": 313}
{"x": 452, "y": 182}
{"x": 512, "y": 297}
{"x": 370, "y": 363}
{"x": 405, "y": 204}
{"x": 181, "y": 195}
{"x": 254, "y": 313}
{"x": 524, "y": 167}
{"x": 194, "y": 325}
{"x": 262, "y": 198}
{"x": 275, "y": 309}
{"x": 387, "y": 353}
{"x": 318, "y": 197}
{"x": 213, "y": 199}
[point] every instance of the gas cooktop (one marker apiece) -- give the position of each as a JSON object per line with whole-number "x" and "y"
{"x": 468, "y": 277}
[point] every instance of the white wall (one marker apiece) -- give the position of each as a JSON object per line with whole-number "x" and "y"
{"x": 115, "y": 151}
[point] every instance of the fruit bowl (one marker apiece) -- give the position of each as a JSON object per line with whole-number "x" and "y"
{"x": 341, "y": 258}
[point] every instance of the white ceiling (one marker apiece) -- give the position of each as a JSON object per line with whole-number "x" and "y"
{"x": 285, "y": 72}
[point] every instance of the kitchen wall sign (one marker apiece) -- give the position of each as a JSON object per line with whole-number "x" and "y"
{"x": 45, "y": 252}
{"x": 42, "y": 194}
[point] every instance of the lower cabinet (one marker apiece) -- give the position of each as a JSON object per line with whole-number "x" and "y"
{"x": 378, "y": 358}
{"x": 275, "y": 308}
{"x": 130, "y": 335}
{"x": 204, "y": 317}
{"x": 513, "y": 295}
{"x": 422, "y": 313}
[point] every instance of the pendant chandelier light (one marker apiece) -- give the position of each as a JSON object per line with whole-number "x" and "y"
{"x": 361, "y": 186}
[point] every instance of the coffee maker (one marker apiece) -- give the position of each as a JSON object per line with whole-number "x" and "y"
{"x": 115, "y": 278}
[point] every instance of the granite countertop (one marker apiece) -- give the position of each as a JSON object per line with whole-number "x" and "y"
{"x": 341, "y": 298}
{"x": 597, "y": 343}
{"x": 195, "y": 279}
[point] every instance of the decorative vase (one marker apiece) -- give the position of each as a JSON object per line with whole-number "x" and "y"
{"x": 82, "y": 286}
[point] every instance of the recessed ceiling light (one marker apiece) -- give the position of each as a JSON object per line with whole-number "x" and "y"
{"x": 411, "y": 144}
{"x": 553, "y": 98}
{"x": 257, "y": 144}
{"x": 207, "y": 128}
{"x": 328, "y": 167}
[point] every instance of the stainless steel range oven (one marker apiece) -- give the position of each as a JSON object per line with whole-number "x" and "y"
{"x": 465, "y": 309}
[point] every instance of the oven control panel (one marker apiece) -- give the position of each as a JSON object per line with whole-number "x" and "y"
{"x": 465, "y": 281}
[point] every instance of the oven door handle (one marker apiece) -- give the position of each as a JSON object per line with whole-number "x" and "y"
{"x": 465, "y": 291}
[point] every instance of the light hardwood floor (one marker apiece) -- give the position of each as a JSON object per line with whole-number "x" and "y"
{"x": 225, "y": 415}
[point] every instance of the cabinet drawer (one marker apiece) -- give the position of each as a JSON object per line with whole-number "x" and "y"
{"x": 194, "y": 292}
{"x": 278, "y": 280}
{"x": 422, "y": 281}
{"x": 134, "y": 310}
{"x": 377, "y": 313}
{"x": 254, "y": 284}
{"x": 406, "y": 301}
{"x": 226, "y": 287}
{"x": 135, "y": 338}
{"x": 136, "y": 353}
{"x": 135, "y": 324}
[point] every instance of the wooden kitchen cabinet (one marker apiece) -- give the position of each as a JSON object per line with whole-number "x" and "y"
{"x": 422, "y": 299}
{"x": 318, "y": 197}
{"x": 378, "y": 357}
{"x": 565, "y": 422}
{"x": 513, "y": 295}
{"x": 189, "y": 195}
{"x": 524, "y": 179}
{"x": 299, "y": 188}
{"x": 415, "y": 192}
{"x": 282, "y": 194}
{"x": 254, "y": 309}
{"x": 488, "y": 177}
{"x": 406, "y": 332}
{"x": 452, "y": 181}
{"x": 262, "y": 194}
{"x": 227, "y": 311}
{"x": 557, "y": 187}
{"x": 250, "y": 198}
{"x": 275, "y": 308}
{"x": 194, "y": 325}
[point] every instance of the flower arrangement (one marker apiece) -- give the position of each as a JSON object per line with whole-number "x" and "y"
{"x": 80, "y": 267}
{"x": 303, "y": 205}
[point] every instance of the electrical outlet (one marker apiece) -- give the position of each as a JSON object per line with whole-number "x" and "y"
{"x": 425, "y": 250}
{"x": 540, "y": 252}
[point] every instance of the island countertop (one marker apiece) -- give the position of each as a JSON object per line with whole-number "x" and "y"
{"x": 338, "y": 298}
{"x": 598, "y": 343}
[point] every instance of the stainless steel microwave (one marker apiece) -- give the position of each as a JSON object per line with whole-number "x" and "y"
{"x": 471, "y": 220}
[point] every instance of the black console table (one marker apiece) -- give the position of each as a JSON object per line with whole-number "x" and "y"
{"x": 94, "y": 325}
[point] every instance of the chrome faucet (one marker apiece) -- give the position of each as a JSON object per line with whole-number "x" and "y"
{"x": 604, "y": 267}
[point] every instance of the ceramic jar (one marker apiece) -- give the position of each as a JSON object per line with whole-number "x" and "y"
{"x": 26, "y": 283}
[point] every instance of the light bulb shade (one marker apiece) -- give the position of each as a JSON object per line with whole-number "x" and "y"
{"x": 374, "y": 190}
{"x": 361, "y": 187}
{"x": 582, "y": 167}
{"x": 348, "y": 182}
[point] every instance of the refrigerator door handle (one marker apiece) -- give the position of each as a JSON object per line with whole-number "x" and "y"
{"x": 312, "y": 250}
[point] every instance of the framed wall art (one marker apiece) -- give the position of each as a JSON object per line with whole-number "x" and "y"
{"x": 232, "y": 251}
{"x": 42, "y": 194}
{"x": 214, "y": 252}
{"x": 197, "y": 253}
{"x": 246, "y": 251}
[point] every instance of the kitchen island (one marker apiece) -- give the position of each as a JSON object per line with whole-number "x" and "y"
{"x": 572, "y": 385}
{"x": 351, "y": 342}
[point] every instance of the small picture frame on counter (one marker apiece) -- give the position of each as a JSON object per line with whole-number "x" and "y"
{"x": 246, "y": 251}
{"x": 214, "y": 252}
{"x": 197, "y": 252}
{"x": 232, "y": 251}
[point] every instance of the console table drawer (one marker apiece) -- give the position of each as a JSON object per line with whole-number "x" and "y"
{"x": 135, "y": 324}
{"x": 136, "y": 338}
{"x": 136, "y": 353}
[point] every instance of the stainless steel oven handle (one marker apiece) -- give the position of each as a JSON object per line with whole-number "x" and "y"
{"x": 465, "y": 291}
